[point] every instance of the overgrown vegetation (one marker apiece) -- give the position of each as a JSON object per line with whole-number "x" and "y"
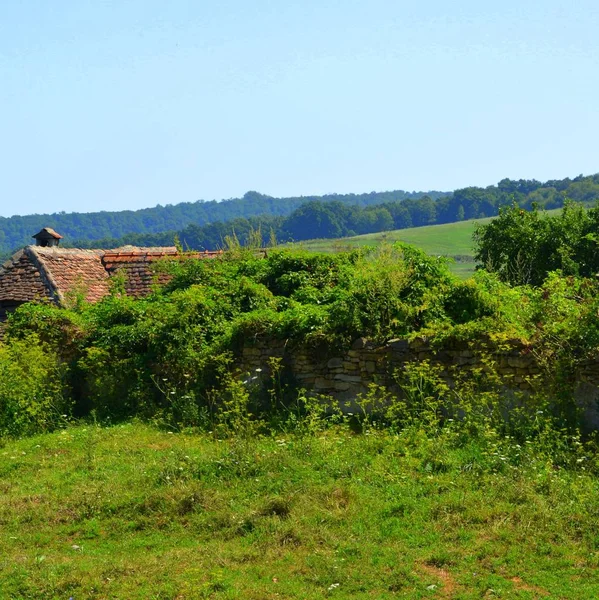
{"x": 523, "y": 247}
{"x": 190, "y": 479}
{"x": 171, "y": 357}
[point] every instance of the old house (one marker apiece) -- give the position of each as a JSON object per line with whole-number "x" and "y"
{"x": 45, "y": 271}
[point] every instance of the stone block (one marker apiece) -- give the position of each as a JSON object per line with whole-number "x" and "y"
{"x": 398, "y": 345}
{"x": 323, "y": 384}
{"x": 334, "y": 363}
{"x": 360, "y": 343}
{"x": 518, "y": 362}
{"x": 370, "y": 366}
{"x": 252, "y": 352}
{"x": 342, "y": 386}
{"x": 418, "y": 342}
{"x": 348, "y": 378}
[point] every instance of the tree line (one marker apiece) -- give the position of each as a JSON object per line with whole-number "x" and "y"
{"x": 205, "y": 225}
{"x": 336, "y": 219}
{"x": 16, "y": 231}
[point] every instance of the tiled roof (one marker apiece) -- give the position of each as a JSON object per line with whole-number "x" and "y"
{"x": 20, "y": 279}
{"x": 51, "y": 272}
{"x": 71, "y": 270}
{"x": 135, "y": 263}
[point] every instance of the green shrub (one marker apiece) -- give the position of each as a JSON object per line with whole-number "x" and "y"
{"x": 32, "y": 398}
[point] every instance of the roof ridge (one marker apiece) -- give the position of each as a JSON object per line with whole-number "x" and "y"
{"x": 45, "y": 274}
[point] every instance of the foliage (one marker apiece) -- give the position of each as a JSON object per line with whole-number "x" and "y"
{"x": 32, "y": 395}
{"x": 522, "y": 247}
{"x": 171, "y": 357}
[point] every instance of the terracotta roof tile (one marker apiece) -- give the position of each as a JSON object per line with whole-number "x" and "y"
{"x": 53, "y": 272}
{"x": 72, "y": 270}
{"x": 20, "y": 280}
{"x": 136, "y": 263}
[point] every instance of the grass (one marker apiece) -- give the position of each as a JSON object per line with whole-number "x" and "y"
{"x": 453, "y": 240}
{"x": 134, "y": 512}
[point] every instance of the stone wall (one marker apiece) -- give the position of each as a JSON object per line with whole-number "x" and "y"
{"x": 346, "y": 376}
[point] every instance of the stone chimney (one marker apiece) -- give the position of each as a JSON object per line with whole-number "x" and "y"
{"x": 47, "y": 238}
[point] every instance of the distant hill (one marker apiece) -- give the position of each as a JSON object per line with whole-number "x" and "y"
{"x": 204, "y": 225}
{"x": 321, "y": 219}
{"x": 453, "y": 240}
{"x": 17, "y": 231}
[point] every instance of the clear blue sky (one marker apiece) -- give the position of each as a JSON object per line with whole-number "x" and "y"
{"x": 113, "y": 104}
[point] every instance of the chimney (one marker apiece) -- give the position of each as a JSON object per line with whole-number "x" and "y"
{"x": 47, "y": 238}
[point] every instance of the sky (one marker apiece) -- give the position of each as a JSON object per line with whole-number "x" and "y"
{"x": 126, "y": 104}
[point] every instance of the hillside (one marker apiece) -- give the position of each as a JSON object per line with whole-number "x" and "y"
{"x": 206, "y": 225}
{"x": 453, "y": 240}
{"x": 17, "y": 231}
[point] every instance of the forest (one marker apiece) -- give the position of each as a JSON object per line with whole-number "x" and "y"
{"x": 328, "y": 218}
{"x": 16, "y": 231}
{"x": 204, "y": 225}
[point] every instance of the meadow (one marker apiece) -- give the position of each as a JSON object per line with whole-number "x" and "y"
{"x": 133, "y": 511}
{"x": 452, "y": 240}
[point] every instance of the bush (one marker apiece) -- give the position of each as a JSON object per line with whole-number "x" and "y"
{"x": 32, "y": 398}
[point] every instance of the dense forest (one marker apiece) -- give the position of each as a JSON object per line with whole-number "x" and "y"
{"x": 335, "y": 219}
{"x": 204, "y": 225}
{"x": 17, "y": 231}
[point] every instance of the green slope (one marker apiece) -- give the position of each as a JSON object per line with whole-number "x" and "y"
{"x": 453, "y": 240}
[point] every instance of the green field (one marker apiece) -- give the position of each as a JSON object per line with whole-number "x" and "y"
{"x": 133, "y": 512}
{"x": 453, "y": 240}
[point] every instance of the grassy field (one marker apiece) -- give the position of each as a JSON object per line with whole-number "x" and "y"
{"x": 131, "y": 512}
{"x": 453, "y": 240}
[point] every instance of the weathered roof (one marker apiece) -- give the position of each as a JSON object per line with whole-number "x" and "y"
{"x": 20, "y": 279}
{"x": 48, "y": 232}
{"x": 135, "y": 263}
{"x": 72, "y": 270}
{"x": 52, "y": 272}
